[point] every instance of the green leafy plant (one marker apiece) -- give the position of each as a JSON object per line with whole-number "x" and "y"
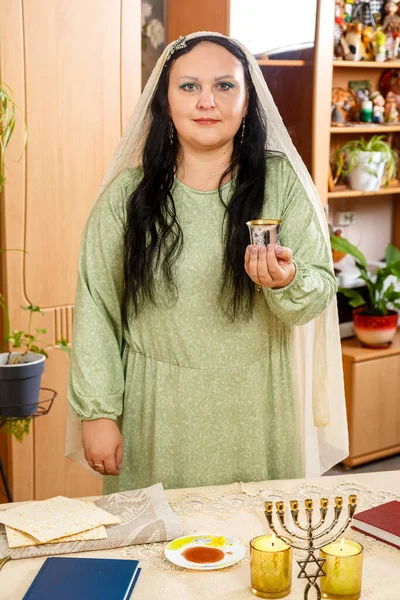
{"x": 348, "y": 157}
{"x": 8, "y": 110}
{"x": 380, "y": 299}
{"x": 16, "y": 427}
{"x": 28, "y": 341}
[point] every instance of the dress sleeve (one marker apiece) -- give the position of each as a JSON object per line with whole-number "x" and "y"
{"x": 314, "y": 284}
{"x": 96, "y": 377}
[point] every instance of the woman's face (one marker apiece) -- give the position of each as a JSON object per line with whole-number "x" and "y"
{"x": 207, "y": 96}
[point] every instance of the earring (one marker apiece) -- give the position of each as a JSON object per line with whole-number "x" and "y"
{"x": 171, "y": 131}
{"x": 243, "y": 128}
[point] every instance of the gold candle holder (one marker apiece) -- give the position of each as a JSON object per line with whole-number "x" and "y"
{"x": 270, "y": 567}
{"x": 343, "y": 568}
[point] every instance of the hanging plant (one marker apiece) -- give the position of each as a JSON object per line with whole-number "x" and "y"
{"x": 8, "y": 109}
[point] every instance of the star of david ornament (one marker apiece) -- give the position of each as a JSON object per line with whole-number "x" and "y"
{"x": 311, "y": 577}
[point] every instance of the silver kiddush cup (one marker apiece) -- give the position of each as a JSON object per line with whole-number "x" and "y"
{"x": 264, "y": 231}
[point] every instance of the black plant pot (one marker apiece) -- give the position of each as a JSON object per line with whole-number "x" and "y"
{"x": 20, "y": 385}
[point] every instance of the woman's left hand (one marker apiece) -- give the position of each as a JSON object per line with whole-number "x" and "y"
{"x": 271, "y": 266}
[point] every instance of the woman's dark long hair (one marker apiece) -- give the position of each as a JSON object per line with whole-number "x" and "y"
{"x": 153, "y": 236}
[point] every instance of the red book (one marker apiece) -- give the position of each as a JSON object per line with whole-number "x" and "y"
{"x": 381, "y": 522}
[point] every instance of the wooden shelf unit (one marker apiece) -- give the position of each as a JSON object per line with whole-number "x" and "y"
{"x": 356, "y": 129}
{"x": 326, "y": 139}
{"x": 266, "y": 62}
{"x": 367, "y": 64}
{"x": 372, "y": 377}
{"x": 348, "y": 193}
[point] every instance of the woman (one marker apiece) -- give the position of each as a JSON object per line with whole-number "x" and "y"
{"x": 182, "y": 372}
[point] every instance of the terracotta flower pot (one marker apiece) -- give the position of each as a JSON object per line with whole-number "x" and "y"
{"x": 375, "y": 332}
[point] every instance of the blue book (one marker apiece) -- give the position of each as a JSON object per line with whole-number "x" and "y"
{"x": 62, "y": 578}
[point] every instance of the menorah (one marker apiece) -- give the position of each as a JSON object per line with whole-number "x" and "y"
{"x": 312, "y": 533}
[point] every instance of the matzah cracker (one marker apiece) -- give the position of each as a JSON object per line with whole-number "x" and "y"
{"x": 19, "y": 539}
{"x": 57, "y": 517}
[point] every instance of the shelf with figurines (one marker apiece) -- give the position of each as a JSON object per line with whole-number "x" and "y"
{"x": 367, "y": 106}
{"x": 367, "y": 33}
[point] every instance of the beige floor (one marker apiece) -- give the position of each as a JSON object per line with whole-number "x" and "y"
{"x": 392, "y": 463}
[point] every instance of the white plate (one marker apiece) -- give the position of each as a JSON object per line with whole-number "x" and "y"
{"x": 232, "y": 549}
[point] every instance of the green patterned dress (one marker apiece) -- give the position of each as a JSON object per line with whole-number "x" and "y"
{"x": 199, "y": 400}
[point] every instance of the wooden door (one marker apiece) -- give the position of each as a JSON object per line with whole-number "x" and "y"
{"x": 75, "y": 69}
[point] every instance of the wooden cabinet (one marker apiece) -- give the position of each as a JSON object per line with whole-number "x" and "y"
{"x": 372, "y": 381}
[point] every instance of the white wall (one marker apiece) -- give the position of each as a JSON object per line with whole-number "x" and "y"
{"x": 263, "y": 25}
{"x": 372, "y": 230}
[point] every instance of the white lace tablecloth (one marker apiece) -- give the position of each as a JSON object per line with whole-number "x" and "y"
{"x": 238, "y": 510}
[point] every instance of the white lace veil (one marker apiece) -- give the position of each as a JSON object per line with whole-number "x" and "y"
{"x": 315, "y": 346}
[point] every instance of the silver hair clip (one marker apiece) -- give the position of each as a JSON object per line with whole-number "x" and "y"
{"x": 179, "y": 44}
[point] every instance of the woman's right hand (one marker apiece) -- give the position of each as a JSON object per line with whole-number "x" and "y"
{"x": 102, "y": 444}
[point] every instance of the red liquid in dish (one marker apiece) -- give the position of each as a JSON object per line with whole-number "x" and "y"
{"x": 203, "y": 554}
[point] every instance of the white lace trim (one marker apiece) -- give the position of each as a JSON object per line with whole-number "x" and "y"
{"x": 223, "y": 506}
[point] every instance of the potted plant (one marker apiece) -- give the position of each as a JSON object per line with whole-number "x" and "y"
{"x": 365, "y": 162}
{"x": 20, "y": 370}
{"x": 8, "y": 109}
{"x": 375, "y": 319}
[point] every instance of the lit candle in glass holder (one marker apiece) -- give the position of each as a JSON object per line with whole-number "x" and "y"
{"x": 343, "y": 568}
{"x": 270, "y": 566}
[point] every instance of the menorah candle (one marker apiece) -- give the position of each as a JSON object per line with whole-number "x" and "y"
{"x": 270, "y": 567}
{"x": 343, "y": 568}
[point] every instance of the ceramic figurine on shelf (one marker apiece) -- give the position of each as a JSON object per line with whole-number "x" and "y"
{"x": 344, "y": 106}
{"x": 353, "y": 39}
{"x": 366, "y": 12}
{"x": 391, "y": 22}
{"x": 348, "y": 10}
{"x": 380, "y": 45}
{"x": 340, "y": 45}
{"x": 378, "y": 107}
{"x": 367, "y": 48}
{"x": 391, "y": 112}
{"x": 390, "y": 46}
{"x": 336, "y": 116}
{"x": 366, "y": 112}
{"x": 391, "y": 26}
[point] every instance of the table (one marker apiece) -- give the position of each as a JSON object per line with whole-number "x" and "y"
{"x": 237, "y": 510}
